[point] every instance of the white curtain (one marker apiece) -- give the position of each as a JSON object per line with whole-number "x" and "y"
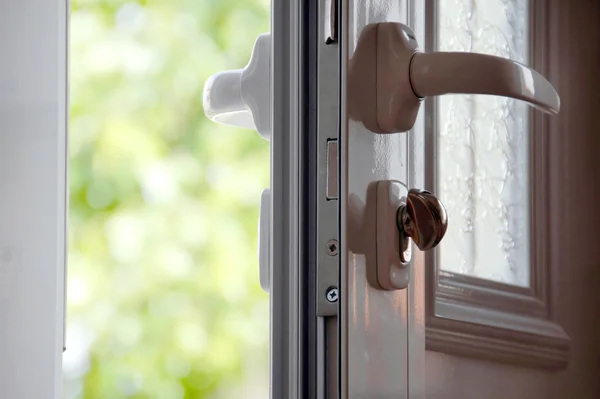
{"x": 482, "y": 149}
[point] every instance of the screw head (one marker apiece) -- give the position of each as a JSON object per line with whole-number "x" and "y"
{"x": 332, "y": 294}
{"x": 332, "y": 247}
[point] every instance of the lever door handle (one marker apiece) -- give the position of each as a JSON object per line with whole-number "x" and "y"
{"x": 433, "y": 74}
{"x": 389, "y": 77}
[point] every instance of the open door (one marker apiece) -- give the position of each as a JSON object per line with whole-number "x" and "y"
{"x": 504, "y": 306}
{"x": 33, "y": 200}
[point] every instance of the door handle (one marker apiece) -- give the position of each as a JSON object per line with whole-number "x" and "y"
{"x": 242, "y": 97}
{"x": 389, "y": 77}
{"x": 433, "y": 74}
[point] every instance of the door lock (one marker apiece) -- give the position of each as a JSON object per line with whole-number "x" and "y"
{"x": 403, "y": 216}
{"x": 424, "y": 219}
{"x": 383, "y": 228}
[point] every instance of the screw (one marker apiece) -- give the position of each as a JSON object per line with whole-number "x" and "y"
{"x": 332, "y": 247}
{"x": 332, "y": 294}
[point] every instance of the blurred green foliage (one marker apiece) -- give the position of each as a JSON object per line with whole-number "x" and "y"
{"x": 163, "y": 292}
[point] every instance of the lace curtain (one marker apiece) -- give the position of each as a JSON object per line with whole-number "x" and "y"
{"x": 482, "y": 149}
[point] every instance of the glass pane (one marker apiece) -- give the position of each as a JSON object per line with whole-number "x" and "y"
{"x": 482, "y": 149}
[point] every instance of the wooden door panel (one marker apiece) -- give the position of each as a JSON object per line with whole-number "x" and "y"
{"x": 574, "y": 164}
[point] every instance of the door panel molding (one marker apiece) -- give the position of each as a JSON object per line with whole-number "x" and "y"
{"x": 474, "y": 317}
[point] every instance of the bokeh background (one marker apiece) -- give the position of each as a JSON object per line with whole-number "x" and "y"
{"x": 163, "y": 293}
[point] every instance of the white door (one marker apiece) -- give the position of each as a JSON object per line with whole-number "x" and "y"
{"x": 33, "y": 202}
{"x": 506, "y": 304}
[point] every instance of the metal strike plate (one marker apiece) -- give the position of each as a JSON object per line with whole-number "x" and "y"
{"x": 332, "y": 170}
{"x": 327, "y": 235}
{"x": 328, "y": 247}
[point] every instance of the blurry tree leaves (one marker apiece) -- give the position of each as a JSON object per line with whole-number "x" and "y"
{"x": 163, "y": 293}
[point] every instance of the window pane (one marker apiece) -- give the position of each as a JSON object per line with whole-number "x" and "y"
{"x": 482, "y": 148}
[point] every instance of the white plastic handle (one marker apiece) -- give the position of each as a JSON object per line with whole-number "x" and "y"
{"x": 223, "y": 101}
{"x": 389, "y": 76}
{"x": 242, "y": 97}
